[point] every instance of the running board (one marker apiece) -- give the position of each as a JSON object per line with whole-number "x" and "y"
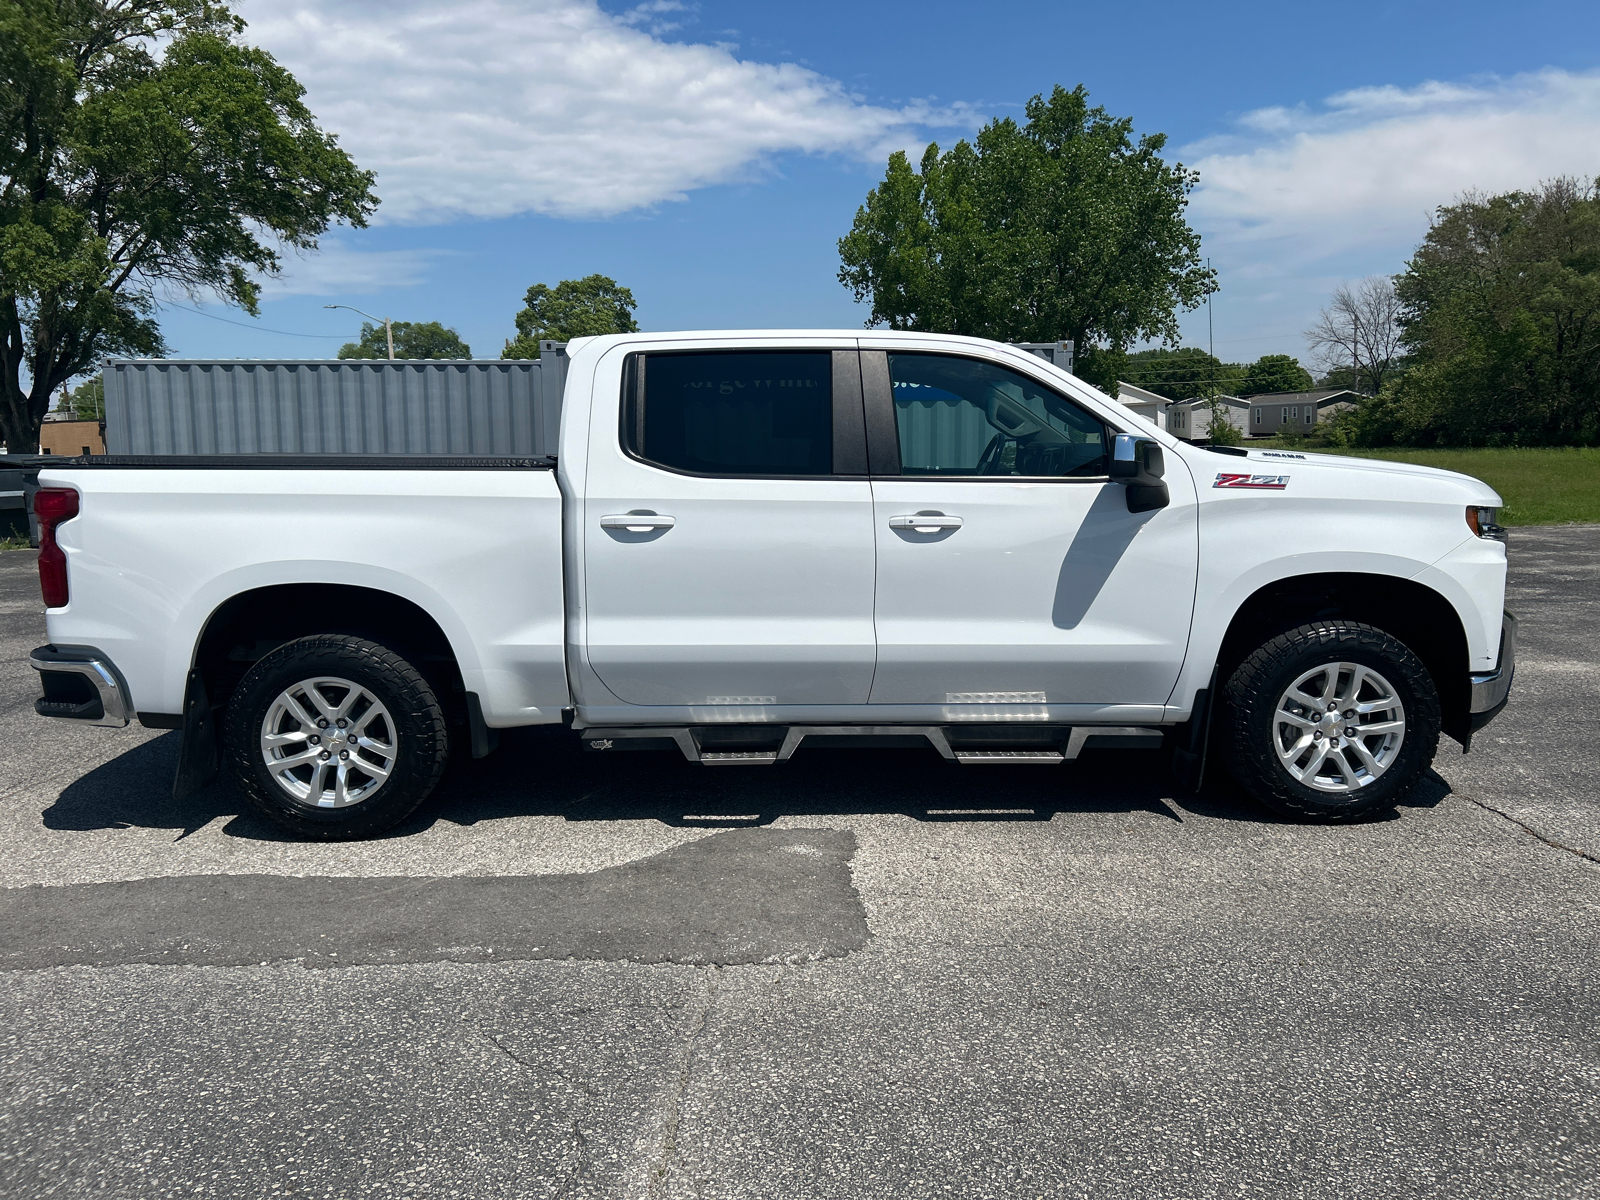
{"x": 1078, "y": 739}
{"x": 737, "y": 758}
{"x": 1010, "y": 756}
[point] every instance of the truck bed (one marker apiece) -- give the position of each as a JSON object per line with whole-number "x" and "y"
{"x": 473, "y": 543}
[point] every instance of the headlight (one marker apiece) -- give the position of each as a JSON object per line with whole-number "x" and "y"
{"x": 1481, "y": 521}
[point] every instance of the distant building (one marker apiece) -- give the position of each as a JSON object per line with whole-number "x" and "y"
{"x": 58, "y": 436}
{"x": 1273, "y": 414}
{"x": 1151, "y": 407}
{"x": 1191, "y": 419}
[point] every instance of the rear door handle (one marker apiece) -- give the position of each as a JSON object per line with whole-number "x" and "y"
{"x": 637, "y": 522}
{"x": 925, "y": 522}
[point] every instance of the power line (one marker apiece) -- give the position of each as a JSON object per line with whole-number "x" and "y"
{"x": 335, "y": 337}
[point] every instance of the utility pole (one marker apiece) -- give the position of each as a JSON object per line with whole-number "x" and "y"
{"x": 1211, "y": 332}
{"x": 388, "y": 329}
{"x": 1355, "y": 345}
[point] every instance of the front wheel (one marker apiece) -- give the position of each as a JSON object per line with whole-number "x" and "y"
{"x": 1333, "y": 721}
{"x": 335, "y": 737}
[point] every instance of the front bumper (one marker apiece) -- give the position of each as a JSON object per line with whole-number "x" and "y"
{"x": 80, "y": 684}
{"x": 1492, "y": 689}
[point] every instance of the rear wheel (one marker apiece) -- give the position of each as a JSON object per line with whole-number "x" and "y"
{"x": 335, "y": 737}
{"x": 1333, "y": 721}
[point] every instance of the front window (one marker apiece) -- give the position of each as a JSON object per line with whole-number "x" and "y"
{"x": 963, "y": 416}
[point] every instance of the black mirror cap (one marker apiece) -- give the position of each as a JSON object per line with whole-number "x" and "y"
{"x": 1155, "y": 459}
{"x": 1137, "y": 460}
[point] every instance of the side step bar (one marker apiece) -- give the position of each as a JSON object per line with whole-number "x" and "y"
{"x": 687, "y": 739}
{"x": 1009, "y": 756}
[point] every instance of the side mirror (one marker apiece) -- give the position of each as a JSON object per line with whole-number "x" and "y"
{"x": 1138, "y": 464}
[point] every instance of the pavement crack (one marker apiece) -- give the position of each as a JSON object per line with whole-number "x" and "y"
{"x": 501, "y": 1046}
{"x": 583, "y": 1168}
{"x": 1530, "y": 830}
{"x": 668, "y": 1151}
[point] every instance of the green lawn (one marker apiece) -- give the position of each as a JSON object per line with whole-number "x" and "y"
{"x": 1541, "y": 486}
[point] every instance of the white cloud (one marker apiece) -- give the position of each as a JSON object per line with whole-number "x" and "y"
{"x": 1371, "y": 165}
{"x": 490, "y": 108}
{"x": 338, "y": 269}
{"x": 1298, "y": 199}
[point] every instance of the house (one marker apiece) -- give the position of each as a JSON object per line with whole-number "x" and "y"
{"x": 1191, "y": 419}
{"x": 57, "y": 436}
{"x": 1151, "y": 407}
{"x": 1272, "y": 414}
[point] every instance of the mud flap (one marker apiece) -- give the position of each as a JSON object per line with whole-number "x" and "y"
{"x": 484, "y": 739}
{"x": 199, "y": 756}
{"x": 1191, "y": 739}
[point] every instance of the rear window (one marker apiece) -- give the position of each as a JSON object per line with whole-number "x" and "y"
{"x": 757, "y": 413}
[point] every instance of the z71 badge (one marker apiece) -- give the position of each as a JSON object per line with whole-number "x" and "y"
{"x": 1274, "y": 483}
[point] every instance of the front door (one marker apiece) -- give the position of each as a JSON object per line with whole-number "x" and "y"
{"x": 1010, "y": 570}
{"x": 728, "y": 531}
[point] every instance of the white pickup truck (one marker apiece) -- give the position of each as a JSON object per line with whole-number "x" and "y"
{"x": 749, "y": 542}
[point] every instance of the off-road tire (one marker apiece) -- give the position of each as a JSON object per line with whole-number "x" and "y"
{"x": 421, "y": 748}
{"x": 1248, "y": 719}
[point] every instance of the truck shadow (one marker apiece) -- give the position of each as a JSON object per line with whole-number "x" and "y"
{"x": 542, "y": 772}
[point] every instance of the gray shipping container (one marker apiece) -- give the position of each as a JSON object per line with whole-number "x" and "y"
{"x": 470, "y": 407}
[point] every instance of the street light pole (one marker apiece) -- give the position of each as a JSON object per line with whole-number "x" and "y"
{"x": 388, "y": 329}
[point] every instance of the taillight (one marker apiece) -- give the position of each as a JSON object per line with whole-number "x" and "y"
{"x": 53, "y": 506}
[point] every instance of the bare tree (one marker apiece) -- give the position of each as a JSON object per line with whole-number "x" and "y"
{"x": 1360, "y": 329}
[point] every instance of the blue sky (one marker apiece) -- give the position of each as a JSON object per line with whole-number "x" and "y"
{"x": 710, "y": 155}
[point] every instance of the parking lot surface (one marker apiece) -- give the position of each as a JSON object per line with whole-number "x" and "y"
{"x": 859, "y": 974}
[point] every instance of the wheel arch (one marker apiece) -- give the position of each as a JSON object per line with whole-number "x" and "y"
{"x": 1416, "y": 614}
{"x": 251, "y": 624}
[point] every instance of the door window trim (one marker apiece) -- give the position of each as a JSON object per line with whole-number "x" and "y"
{"x": 849, "y": 452}
{"x": 883, "y": 431}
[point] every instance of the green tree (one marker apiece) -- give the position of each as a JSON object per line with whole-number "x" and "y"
{"x": 142, "y": 143}
{"x": 1275, "y": 373}
{"x": 1063, "y": 227}
{"x": 1222, "y": 431}
{"x": 1500, "y": 310}
{"x": 87, "y": 401}
{"x": 412, "y": 339}
{"x": 574, "y": 308}
{"x": 1182, "y": 374}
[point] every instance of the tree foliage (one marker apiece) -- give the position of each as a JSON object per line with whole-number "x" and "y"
{"x": 142, "y": 143}
{"x": 1501, "y": 314}
{"x": 1063, "y": 227}
{"x": 574, "y": 308}
{"x": 87, "y": 401}
{"x": 1275, "y": 373}
{"x": 412, "y": 339}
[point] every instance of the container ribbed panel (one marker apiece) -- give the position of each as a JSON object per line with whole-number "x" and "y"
{"x": 480, "y": 408}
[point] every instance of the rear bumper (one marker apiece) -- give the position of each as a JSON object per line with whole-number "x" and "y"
{"x": 80, "y": 684}
{"x": 1491, "y": 689}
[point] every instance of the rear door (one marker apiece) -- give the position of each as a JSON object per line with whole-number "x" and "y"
{"x": 728, "y": 535}
{"x": 1009, "y": 568}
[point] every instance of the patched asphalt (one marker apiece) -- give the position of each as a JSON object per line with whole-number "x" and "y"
{"x": 918, "y": 979}
{"x": 746, "y": 896}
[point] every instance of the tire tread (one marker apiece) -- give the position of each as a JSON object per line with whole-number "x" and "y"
{"x": 417, "y": 708}
{"x": 1255, "y": 765}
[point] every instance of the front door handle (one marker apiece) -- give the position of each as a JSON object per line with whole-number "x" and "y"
{"x": 928, "y": 522}
{"x": 637, "y": 522}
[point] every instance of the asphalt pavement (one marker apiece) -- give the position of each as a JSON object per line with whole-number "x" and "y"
{"x": 858, "y": 974}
